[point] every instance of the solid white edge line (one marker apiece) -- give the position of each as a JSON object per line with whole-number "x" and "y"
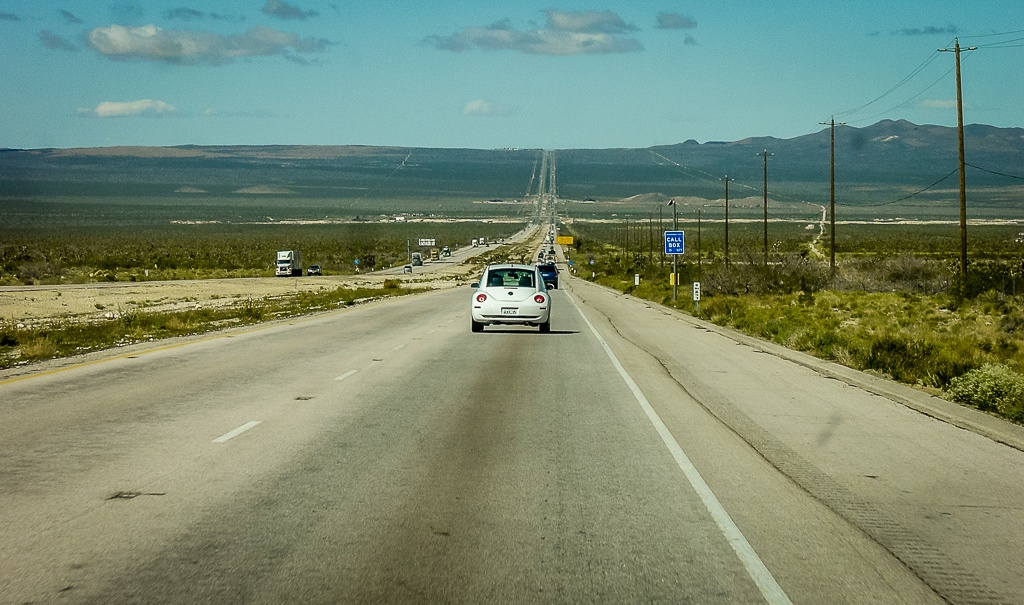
{"x": 235, "y": 433}
{"x": 755, "y": 567}
{"x": 346, "y": 375}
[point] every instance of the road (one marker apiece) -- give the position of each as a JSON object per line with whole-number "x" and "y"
{"x": 383, "y": 453}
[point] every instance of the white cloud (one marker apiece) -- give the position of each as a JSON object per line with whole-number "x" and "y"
{"x": 284, "y": 10}
{"x": 929, "y": 30}
{"x": 675, "y": 21}
{"x": 55, "y": 42}
{"x": 483, "y": 107}
{"x": 70, "y": 17}
{"x": 565, "y": 33}
{"x": 213, "y": 112}
{"x": 185, "y": 47}
{"x": 590, "y": 22}
{"x": 121, "y": 109}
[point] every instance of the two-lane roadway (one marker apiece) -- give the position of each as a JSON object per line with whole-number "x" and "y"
{"x": 384, "y": 453}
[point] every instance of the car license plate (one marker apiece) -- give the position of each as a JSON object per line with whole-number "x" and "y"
{"x": 509, "y": 311}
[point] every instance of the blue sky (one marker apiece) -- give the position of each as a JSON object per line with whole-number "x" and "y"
{"x": 485, "y": 74}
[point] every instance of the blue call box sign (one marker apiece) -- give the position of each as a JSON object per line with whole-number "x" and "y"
{"x": 674, "y": 242}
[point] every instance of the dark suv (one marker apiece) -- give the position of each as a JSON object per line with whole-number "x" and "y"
{"x": 549, "y": 272}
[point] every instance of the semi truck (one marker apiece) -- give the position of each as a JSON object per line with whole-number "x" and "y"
{"x": 289, "y": 262}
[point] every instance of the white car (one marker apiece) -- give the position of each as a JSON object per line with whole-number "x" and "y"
{"x": 511, "y": 294}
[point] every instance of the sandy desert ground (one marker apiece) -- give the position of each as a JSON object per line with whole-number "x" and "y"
{"x": 38, "y": 305}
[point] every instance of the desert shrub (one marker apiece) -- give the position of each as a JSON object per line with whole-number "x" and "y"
{"x": 918, "y": 360}
{"x": 38, "y": 347}
{"x": 253, "y": 310}
{"x": 992, "y": 388}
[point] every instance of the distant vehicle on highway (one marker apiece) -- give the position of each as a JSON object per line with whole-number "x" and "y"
{"x": 511, "y": 294}
{"x": 408, "y": 269}
{"x": 549, "y": 273}
{"x": 314, "y": 270}
{"x": 417, "y": 259}
{"x": 289, "y": 262}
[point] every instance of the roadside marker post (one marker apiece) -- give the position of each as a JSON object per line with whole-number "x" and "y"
{"x": 696, "y": 296}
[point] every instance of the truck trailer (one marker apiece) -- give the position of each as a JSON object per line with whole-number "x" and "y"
{"x": 289, "y": 262}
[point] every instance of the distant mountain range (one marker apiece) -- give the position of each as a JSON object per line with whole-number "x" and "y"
{"x": 874, "y": 164}
{"x": 887, "y": 156}
{"x": 886, "y": 151}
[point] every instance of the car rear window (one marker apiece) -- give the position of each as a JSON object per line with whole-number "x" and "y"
{"x": 510, "y": 278}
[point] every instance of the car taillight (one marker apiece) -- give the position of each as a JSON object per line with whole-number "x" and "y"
{"x": 539, "y": 299}
{"x": 481, "y": 297}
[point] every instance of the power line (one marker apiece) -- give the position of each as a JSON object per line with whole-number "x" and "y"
{"x": 906, "y": 79}
{"x": 999, "y": 44}
{"x": 693, "y": 172}
{"x": 904, "y": 103}
{"x": 907, "y": 197}
{"x": 916, "y": 193}
{"x": 1018, "y": 31}
{"x": 1003, "y": 44}
{"x": 1019, "y": 178}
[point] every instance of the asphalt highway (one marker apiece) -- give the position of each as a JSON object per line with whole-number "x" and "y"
{"x": 385, "y": 454}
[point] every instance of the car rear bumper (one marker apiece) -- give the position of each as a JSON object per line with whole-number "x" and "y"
{"x": 488, "y": 314}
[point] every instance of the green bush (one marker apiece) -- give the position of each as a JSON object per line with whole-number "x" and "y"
{"x": 993, "y": 388}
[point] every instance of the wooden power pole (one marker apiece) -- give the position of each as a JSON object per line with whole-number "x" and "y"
{"x": 963, "y": 182}
{"x": 765, "y": 154}
{"x": 832, "y": 199}
{"x": 727, "y": 220}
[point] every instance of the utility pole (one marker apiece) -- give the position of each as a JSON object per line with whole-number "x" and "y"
{"x": 662, "y": 231}
{"x": 650, "y": 237}
{"x": 699, "y": 265}
{"x": 627, "y": 233}
{"x": 727, "y": 220}
{"x": 832, "y": 198}
{"x": 963, "y": 182}
{"x": 765, "y": 153}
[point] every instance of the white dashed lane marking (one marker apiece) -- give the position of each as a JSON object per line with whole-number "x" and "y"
{"x": 232, "y": 434}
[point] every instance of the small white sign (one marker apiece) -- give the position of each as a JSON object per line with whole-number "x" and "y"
{"x": 636, "y": 279}
{"x": 696, "y": 291}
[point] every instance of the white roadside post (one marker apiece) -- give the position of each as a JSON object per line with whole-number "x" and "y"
{"x": 696, "y": 296}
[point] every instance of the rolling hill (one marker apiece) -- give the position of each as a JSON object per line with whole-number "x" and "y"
{"x": 891, "y": 164}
